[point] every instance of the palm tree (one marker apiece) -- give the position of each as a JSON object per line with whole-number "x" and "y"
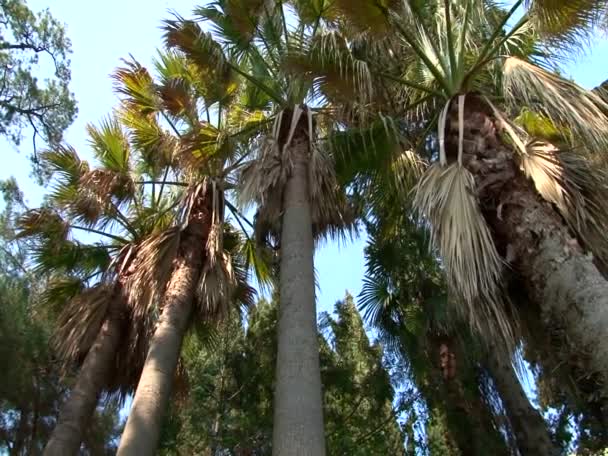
{"x": 514, "y": 181}
{"x": 288, "y": 175}
{"x": 404, "y": 300}
{"x": 103, "y": 203}
{"x": 126, "y": 201}
{"x": 199, "y": 275}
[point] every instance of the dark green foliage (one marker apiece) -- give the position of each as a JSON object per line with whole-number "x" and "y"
{"x": 231, "y": 389}
{"x": 34, "y": 61}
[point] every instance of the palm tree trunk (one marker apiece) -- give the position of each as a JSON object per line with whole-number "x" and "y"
{"x": 142, "y": 431}
{"x": 298, "y": 405}
{"x": 559, "y": 276}
{"x": 77, "y": 410}
{"x": 528, "y": 425}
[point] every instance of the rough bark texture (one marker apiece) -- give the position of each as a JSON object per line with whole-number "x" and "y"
{"x": 142, "y": 431}
{"x": 558, "y": 275}
{"x": 76, "y": 412}
{"x": 528, "y": 425}
{"x": 455, "y": 389}
{"x": 298, "y": 406}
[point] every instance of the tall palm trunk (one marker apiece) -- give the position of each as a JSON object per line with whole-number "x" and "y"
{"x": 298, "y": 406}
{"x": 142, "y": 431}
{"x": 455, "y": 388}
{"x": 528, "y": 425}
{"x": 77, "y": 410}
{"x": 558, "y": 275}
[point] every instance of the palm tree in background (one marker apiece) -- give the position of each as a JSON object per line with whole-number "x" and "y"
{"x": 92, "y": 275}
{"x": 130, "y": 201}
{"x": 201, "y": 275}
{"x": 404, "y": 298}
{"x": 286, "y": 173}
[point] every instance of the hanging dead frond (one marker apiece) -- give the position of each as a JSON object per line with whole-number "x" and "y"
{"x": 80, "y": 321}
{"x": 146, "y": 279}
{"x": 216, "y": 288}
{"x": 577, "y": 188}
{"x": 263, "y": 179}
{"x": 445, "y": 198}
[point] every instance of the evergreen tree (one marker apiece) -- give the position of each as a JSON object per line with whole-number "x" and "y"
{"x": 229, "y": 410}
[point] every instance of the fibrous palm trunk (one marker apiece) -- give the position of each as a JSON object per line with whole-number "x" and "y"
{"x": 528, "y": 425}
{"x": 76, "y": 412}
{"x": 142, "y": 430}
{"x": 298, "y": 406}
{"x": 559, "y": 276}
{"x": 469, "y": 418}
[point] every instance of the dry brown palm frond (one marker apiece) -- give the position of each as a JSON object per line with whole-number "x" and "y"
{"x": 445, "y": 198}
{"x": 216, "y": 288}
{"x": 146, "y": 281}
{"x": 577, "y": 188}
{"x": 566, "y": 104}
{"x": 263, "y": 179}
{"x": 105, "y": 184}
{"x": 42, "y": 222}
{"x": 541, "y": 164}
{"x": 80, "y": 321}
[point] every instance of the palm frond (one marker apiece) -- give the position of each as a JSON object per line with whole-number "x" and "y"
{"x": 155, "y": 147}
{"x": 566, "y": 22}
{"x": 80, "y": 322}
{"x": 263, "y": 179}
{"x": 367, "y": 16}
{"x": 44, "y": 223}
{"x": 445, "y": 198}
{"x": 567, "y": 105}
{"x": 135, "y": 86}
{"x": 337, "y": 73}
{"x": 151, "y": 270}
{"x": 198, "y": 46}
{"x": 110, "y": 145}
{"x": 576, "y": 187}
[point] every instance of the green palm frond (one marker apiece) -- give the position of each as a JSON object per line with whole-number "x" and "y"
{"x": 59, "y": 290}
{"x": 65, "y": 170}
{"x": 65, "y": 162}
{"x": 565, "y": 103}
{"x": 234, "y": 21}
{"x": 134, "y": 84}
{"x": 338, "y": 74}
{"x": 311, "y": 11}
{"x": 110, "y": 145}
{"x": 201, "y": 144}
{"x": 200, "y": 47}
{"x": 155, "y": 146}
{"x": 566, "y": 22}
{"x": 176, "y": 97}
{"x": 258, "y": 258}
{"x": 70, "y": 257}
{"x": 367, "y": 16}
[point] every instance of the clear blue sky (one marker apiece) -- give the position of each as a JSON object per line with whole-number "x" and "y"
{"x": 103, "y": 32}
